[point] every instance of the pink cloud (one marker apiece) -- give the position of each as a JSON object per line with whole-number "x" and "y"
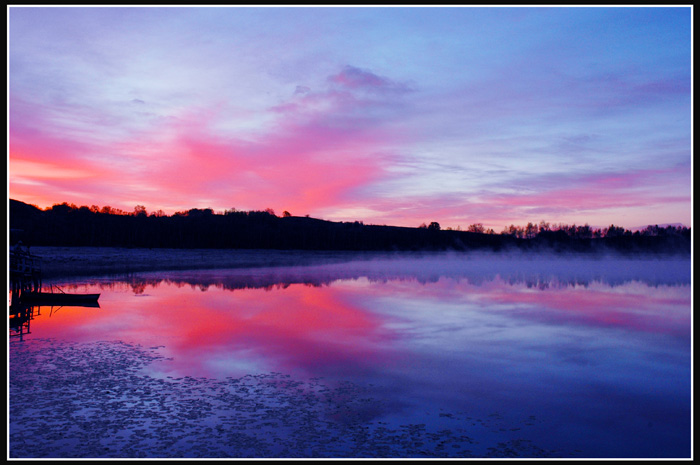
{"x": 598, "y": 191}
{"x": 569, "y": 199}
{"x": 44, "y": 169}
{"x": 321, "y": 151}
{"x": 299, "y": 166}
{"x": 321, "y": 146}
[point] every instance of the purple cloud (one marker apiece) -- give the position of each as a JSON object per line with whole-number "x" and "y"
{"x": 353, "y": 78}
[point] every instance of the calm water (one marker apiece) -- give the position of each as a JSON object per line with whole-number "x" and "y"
{"x": 431, "y": 357}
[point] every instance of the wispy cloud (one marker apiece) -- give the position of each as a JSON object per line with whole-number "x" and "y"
{"x": 321, "y": 145}
{"x": 354, "y": 78}
{"x": 401, "y": 115}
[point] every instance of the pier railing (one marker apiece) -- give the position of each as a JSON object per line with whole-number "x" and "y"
{"x": 24, "y": 264}
{"x": 25, "y": 272}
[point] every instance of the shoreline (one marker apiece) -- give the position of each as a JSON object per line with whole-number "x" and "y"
{"x": 72, "y": 262}
{"x": 90, "y": 261}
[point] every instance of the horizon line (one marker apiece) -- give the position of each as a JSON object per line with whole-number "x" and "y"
{"x": 119, "y": 211}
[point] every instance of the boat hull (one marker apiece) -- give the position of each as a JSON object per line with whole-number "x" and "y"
{"x": 56, "y": 298}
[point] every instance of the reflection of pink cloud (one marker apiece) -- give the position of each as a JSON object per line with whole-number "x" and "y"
{"x": 296, "y": 329}
{"x": 633, "y": 307}
{"x": 603, "y": 306}
{"x": 315, "y": 330}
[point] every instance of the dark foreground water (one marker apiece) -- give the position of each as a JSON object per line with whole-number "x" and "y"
{"x": 430, "y": 357}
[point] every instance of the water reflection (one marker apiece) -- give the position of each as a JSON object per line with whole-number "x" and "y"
{"x": 587, "y": 354}
{"x": 23, "y": 311}
{"x": 21, "y": 317}
{"x": 353, "y": 316}
{"x": 476, "y": 269}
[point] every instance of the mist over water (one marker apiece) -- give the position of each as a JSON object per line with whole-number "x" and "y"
{"x": 425, "y": 267}
{"x": 435, "y": 355}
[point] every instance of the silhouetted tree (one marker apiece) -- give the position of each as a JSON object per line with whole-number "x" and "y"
{"x": 584, "y": 232}
{"x": 530, "y": 230}
{"x": 61, "y": 209}
{"x": 614, "y": 231}
{"x": 476, "y": 228}
{"x": 510, "y": 230}
{"x": 68, "y": 225}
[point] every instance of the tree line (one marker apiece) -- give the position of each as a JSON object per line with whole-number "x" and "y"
{"x": 70, "y": 225}
{"x": 532, "y": 230}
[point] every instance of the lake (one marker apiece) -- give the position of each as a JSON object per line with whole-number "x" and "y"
{"x": 434, "y": 356}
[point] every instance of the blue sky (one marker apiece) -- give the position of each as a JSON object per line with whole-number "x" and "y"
{"x": 394, "y": 115}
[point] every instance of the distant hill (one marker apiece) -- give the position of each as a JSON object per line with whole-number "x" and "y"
{"x": 65, "y": 225}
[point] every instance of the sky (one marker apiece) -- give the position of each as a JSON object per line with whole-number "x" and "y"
{"x": 387, "y": 115}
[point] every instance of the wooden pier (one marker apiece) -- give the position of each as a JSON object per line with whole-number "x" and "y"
{"x": 25, "y": 271}
{"x": 25, "y": 278}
